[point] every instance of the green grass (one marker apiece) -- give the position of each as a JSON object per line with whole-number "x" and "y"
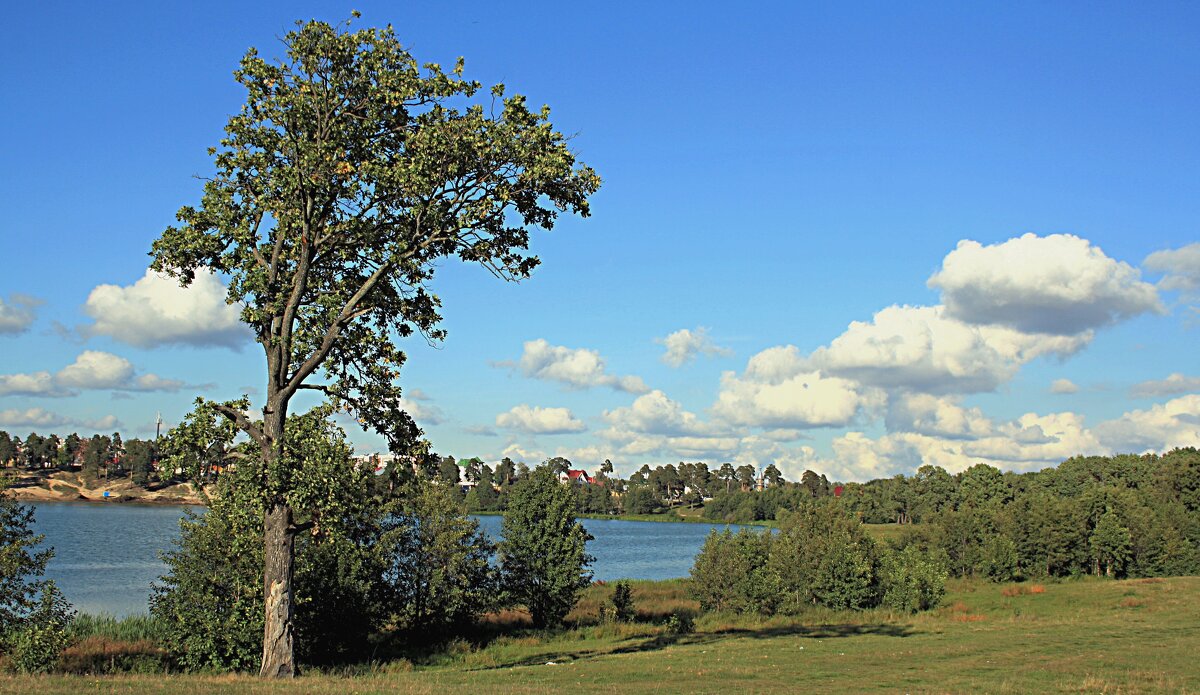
{"x": 1076, "y": 636}
{"x": 131, "y": 628}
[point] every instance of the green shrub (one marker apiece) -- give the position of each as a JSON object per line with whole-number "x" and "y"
{"x": 822, "y": 556}
{"x": 622, "y": 602}
{"x": 44, "y": 633}
{"x": 912, "y": 581}
{"x": 731, "y": 573}
{"x": 681, "y": 622}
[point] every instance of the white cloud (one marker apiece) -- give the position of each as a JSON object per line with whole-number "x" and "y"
{"x": 40, "y": 417}
{"x": 1173, "y": 385}
{"x": 1036, "y": 441}
{"x": 422, "y": 412}
{"x": 684, "y": 345}
{"x": 576, "y": 368}
{"x": 17, "y": 314}
{"x": 1063, "y": 386}
{"x": 779, "y": 390}
{"x": 1180, "y": 267}
{"x": 156, "y": 311}
{"x": 91, "y": 370}
{"x": 936, "y": 416}
{"x": 107, "y": 422}
{"x": 655, "y": 413}
{"x": 34, "y": 384}
{"x": 32, "y": 417}
{"x": 1058, "y": 284}
{"x": 517, "y": 452}
{"x": 1163, "y": 426}
{"x": 1031, "y": 442}
{"x": 539, "y": 420}
{"x": 921, "y": 349}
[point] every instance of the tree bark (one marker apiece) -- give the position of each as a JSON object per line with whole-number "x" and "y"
{"x": 279, "y": 546}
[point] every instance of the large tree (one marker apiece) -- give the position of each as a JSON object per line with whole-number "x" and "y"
{"x": 348, "y": 173}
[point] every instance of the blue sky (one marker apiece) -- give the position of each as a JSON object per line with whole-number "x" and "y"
{"x": 1003, "y": 198}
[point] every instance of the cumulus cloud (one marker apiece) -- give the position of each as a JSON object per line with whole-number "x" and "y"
{"x": 921, "y": 349}
{"x": 40, "y": 417}
{"x": 422, "y": 412}
{"x": 1063, "y": 386}
{"x": 33, "y": 384}
{"x": 1163, "y": 426}
{"x": 778, "y": 389}
{"x": 936, "y": 416}
{"x": 655, "y": 413}
{"x": 1030, "y": 442}
{"x": 519, "y": 453}
{"x": 32, "y": 417}
{"x": 91, "y": 370}
{"x": 539, "y": 420}
{"x": 17, "y": 314}
{"x": 1180, "y": 268}
{"x": 156, "y": 311}
{"x": 684, "y": 345}
{"x": 1173, "y": 385}
{"x": 1058, "y": 284}
{"x": 1035, "y": 441}
{"x": 575, "y": 368}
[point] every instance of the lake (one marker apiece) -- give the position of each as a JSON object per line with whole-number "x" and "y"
{"x": 106, "y": 555}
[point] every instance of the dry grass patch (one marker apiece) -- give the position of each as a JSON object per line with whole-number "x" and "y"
{"x": 1022, "y": 590}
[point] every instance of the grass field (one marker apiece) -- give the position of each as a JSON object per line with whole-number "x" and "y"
{"x": 1079, "y": 636}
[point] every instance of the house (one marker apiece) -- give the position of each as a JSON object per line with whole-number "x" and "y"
{"x": 577, "y": 477}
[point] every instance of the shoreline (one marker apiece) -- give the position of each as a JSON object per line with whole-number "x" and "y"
{"x": 63, "y": 486}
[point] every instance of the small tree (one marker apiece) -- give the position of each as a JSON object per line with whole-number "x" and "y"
{"x": 34, "y": 616}
{"x": 543, "y": 556}
{"x": 622, "y": 602}
{"x": 1111, "y": 545}
{"x": 437, "y": 561}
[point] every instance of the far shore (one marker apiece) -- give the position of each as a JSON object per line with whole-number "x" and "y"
{"x": 69, "y": 486}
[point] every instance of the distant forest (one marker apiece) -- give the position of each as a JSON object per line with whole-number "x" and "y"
{"x": 1124, "y": 515}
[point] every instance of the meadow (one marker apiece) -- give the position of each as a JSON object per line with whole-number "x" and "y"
{"x": 1069, "y": 636}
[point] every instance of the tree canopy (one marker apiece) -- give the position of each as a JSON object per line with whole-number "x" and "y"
{"x": 348, "y": 173}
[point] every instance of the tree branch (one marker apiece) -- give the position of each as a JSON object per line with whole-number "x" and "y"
{"x": 243, "y": 423}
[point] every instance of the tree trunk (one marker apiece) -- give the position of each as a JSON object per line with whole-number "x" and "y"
{"x": 279, "y": 554}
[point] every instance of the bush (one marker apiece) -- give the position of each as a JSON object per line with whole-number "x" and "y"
{"x": 731, "y": 574}
{"x": 848, "y": 575}
{"x": 681, "y": 623}
{"x": 622, "y": 602}
{"x": 43, "y": 634}
{"x": 912, "y": 581}
{"x": 211, "y": 599}
{"x": 34, "y": 616}
{"x": 823, "y": 557}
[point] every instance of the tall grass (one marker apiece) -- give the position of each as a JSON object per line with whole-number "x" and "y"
{"x": 131, "y": 628}
{"x": 103, "y": 644}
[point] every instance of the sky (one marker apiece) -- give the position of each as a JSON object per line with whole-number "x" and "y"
{"x": 849, "y": 237}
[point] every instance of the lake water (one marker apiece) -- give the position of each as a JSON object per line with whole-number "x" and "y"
{"x": 106, "y": 555}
